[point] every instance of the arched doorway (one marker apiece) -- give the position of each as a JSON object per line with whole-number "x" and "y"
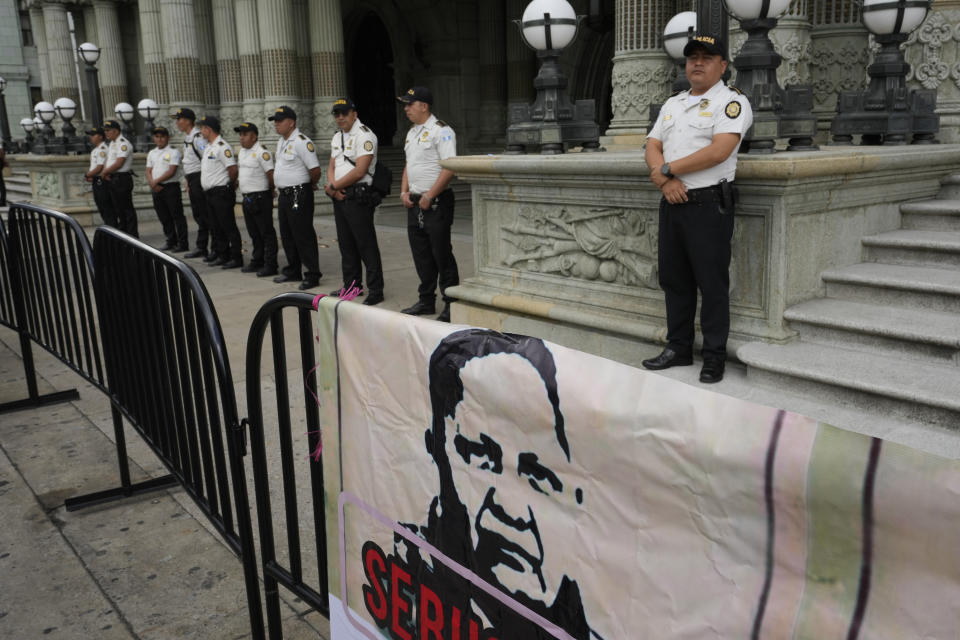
{"x": 370, "y": 79}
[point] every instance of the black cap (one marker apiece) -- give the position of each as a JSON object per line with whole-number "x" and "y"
{"x": 210, "y": 121}
{"x": 98, "y": 131}
{"x": 184, "y": 113}
{"x": 343, "y": 105}
{"x": 421, "y": 94}
{"x": 709, "y": 43}
{"x": 283, "y": 113}
{"x": 160, "y": 131}
{"x": 111, "y": 124}
{"x": 247, "y": 126}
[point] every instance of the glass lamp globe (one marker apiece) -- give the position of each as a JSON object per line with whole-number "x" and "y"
{"x": 148, "y": 109}
{"x": 44, "y": 111}
{"x": 89, "y": 52}
{"x": 677, "y": 33}
{"x": 752, "y": 9}
{"x": 535, "y": 34}
{"x": 37, "y": 123}
{"x": 124, "y": 111}
{"x": 884, "y": 21}
{"x": 28, "y": 124}
{"x": 65, "y": 107}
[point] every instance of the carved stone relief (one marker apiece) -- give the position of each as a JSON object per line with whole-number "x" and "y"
{"x": 638, "y": 81}
{"x": 933, "y": 52}
{"x": 48, "y": 186}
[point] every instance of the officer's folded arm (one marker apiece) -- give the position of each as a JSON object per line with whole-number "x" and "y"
{"x": 719, "y": 149}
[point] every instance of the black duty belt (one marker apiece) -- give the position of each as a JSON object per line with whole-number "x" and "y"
{"x": 167, "y": 184}
{"x": 258, "y": 194}
{"x": 295, "y": 189}
{"x": 705, "y": 194}
{"x": 223, "y": 187}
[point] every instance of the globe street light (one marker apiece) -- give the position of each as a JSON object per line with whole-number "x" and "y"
{"x": 28, "y": 125}
{"x": 46, "y": 113}
{"x": 148, "y": 110}
{"x": 124, "y": 112}
{"x": 553, "y": 121}
{"x": 90, "y": 53}
{"x": 680, "y": 28}
{"x": 887, "y": 112}
{"x": 67, "y": 109}
{"x": 777, "y": 113}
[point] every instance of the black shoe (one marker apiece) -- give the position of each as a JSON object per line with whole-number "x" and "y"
{"x": 373, "y": 298}
{"x": 668, "y": 358}
{"x": 420, "y": 308}
{"x": 219, "y": 260}
{"x": 712, "y": 371}
{"x": 251, "y": 268}
{"x": 267, "y": 271}
{"x": 445, "y": 314}
{"x": 197, "y": 253}
{"x": 232, "y": 264}
{"x": 309, "y": 283}
{"x": 181, "y": 248}
{"x": 286, "y": 277}
{"x": 211, "y": 257}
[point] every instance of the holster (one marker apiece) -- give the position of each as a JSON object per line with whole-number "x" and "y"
{"x": 728, "y": 197}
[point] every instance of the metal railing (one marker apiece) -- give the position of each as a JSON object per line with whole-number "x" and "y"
{"x": 275, "y": 573}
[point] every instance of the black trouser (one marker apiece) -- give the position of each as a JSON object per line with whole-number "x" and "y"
{"x": 221, "y": 201}
{"x": 358, "y": 242}
{"x": 429, "y": 235}
{"x": 101, "y": 197}
{"x": 198, "y": 205}
{"x": 295, "y": 216}
{"x": 169, "y": 207}
{"x": 3, "y": 189}
{"x": 258, "y": 215}
{"x": 121, "y": 197}
{"x": 694, "y": 252}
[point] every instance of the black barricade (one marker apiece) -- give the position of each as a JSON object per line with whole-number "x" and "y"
{"x": 170, "y": 375}
{"x": 274, "y": 574}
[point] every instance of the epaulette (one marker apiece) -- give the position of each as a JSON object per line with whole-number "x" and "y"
{"x": 363, "y": 128}
{"x": 303, "y": 137}
{"x": 442, "y": 123}
{"x": 676, "y": 93}
{"x": 220, "y": 143}
{"x": 733, "y": 88}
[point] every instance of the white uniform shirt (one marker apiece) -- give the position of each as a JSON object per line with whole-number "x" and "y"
{"x": 160, "y": 160}
{"x": 253, "y": 165}
{"x": 426, "y": 145}
{"x": 295, "y": 157}
{"x": 684, "y": 127}
{"x": 120, "y": 148}
{"x": 191, "y": 160}
{"x": 98, "y": 156}
{"x": 359, "y": 141}
{"x": 213, "y": 169}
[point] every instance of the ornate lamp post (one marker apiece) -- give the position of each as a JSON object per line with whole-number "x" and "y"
{"x": 886, "y": 112}
{"x": 90, "y": 53}
{"x": 553, "y": 121}
{"x": 45, "y": 112}
{"x": 67, "y": 109}
{"x": 777, "y": 113}
{"x": 148, "y": 110}
{"x": 680, "y": 28}
{"x": 124, "y": 112}
{"x": 5, "y": 134}
{"x": 28, "y": 125}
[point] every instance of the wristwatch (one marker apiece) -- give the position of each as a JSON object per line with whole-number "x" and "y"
{"x": 665, "y": 170}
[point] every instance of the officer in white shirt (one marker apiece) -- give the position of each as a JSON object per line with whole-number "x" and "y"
{"x": 163, "y": 162}
{"x": 218, "y": 176}
{"x": 353, "y": 156}
{"x": 193, "y": 146}
{"x": 118, "y": 174}
{"x": 98, "y": 157}
{"x": 296, "y": 173}
{"x": 426, "y": 194}
{"x": 692, "y": 156}
{"x": 256, "y": 190}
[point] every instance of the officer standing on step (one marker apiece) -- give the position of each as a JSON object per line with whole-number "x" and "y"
{"x": 98, "y": 158}
{"x": 295, "y": 175}
{"x": 118, "y": 174}
{"x": 256, "y": 193}
{"x": 218, "y": 176}
{"x": 692, "y": 156}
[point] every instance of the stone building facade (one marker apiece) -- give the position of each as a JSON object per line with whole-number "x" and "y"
{"x": 241, "y": 58}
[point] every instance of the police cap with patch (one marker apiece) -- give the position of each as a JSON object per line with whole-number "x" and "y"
{"x": 708, "y": 42}
{"x": 283, "y": 112}
{"x": 343, "y": 105}
{"x": 160, "y": 131}
{"x": 416, "y": 94}
{"x": 111, "y": 124}
{"x": 210, "y": 121}
{"x": 184, "y": 113}
{"x": 247, "y": 126}
{"x": 95, "y": 131}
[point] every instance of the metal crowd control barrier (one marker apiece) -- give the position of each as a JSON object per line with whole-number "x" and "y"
{"x": 170, "y": 375}
{"x": 31, "y": 254}
{"x": 274, "y": 573}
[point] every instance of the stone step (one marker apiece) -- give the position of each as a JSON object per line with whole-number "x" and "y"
{"x": 938, "y": 215}
{"x": 928, "y": 336}
{"x": 925, "y": 288}
{"x": 950, "y": 187}
{"x": 872, "y": 383}
{"x": 921, "y": 248}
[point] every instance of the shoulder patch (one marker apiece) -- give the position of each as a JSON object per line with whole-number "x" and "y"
{"x": 368, "y": 146}
{"x": 123, "y": 147}
{"x": 103, "y": 154}
{"x": 227, "y": 153}
{"x": 309, "y": 146}
{"x": 733, "y": 88}
{"x": 442, "y": 123}
{"x": 733, "y": 109}
{"x": 266, "y": 155}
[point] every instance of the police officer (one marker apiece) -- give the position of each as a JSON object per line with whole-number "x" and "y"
{"x": 353, "y": 155}
{"x": 692, "y": 155}
{"x": 429, "y": 201}
{"x": 295, "y": 175}
{"x": 256, "y": 191}
{"x": 193, "y": 146}
{"x": 98, "y": 157}
{"x": 163, "y": 162}
{"x": 218, "y": 176}
{"x": 118, "y": 174}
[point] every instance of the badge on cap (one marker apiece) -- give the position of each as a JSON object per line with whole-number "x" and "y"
{"x": 733, "y": 109}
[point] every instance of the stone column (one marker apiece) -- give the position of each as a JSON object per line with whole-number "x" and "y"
{"x": 326, "y": 50}
{"x": 251, "y": 69}
{"x": 113, "y": 74}
{"x": 228, "y": 64}
{"x": 304, "y": 74}
{"x": 203, "y": 13}
{"x": 40, "y": 40}
{"x": 521, "y": 60}
{"x": 155, "y": 70}
{"x": 839, "y": 53}
{"x": 278, "y": 56}
{"x": 933, "y": 52}
{"x": 642, "y": 71}
{"x": 63, "y": 77}
{"x": 181, "y": 54}
{"x": 492, "y": 28}
{"x": 89, "y": 26}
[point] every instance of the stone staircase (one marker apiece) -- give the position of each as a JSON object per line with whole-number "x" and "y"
{"x": 885, "y": 341}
